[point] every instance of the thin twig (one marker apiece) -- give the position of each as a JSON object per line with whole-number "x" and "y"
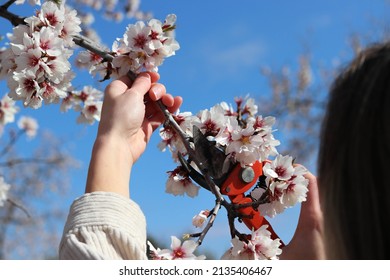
{"x": 18, "y": 205}
{"x": 12, "y": 162}
{"x": 210, "y": 223}
{"x": 14, "y": 19}
{"x": 90, "y": 45}
{"x": 11, "y": 142}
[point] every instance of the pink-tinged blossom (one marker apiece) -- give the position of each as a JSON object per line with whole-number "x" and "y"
{"x": 250, "y": 107}
{"x": 154, "y": 253}
{"x": 87, "y": 59}
{"x": 144, "y": 46}
{"x": 179, "y": 183}
{"x": 211, "y": 121}
{"x": 244, "y": 144}
{"x": 87, "y": 101}
{"x": 4, "y": 188}
{"x": 275, "y": 196}
{"x": 7, "y": 62}
{"x": 8, "y": 109}
{"x": 27, "y": 88}
{"x": 40, "y": 56}
{"x": 180, "y": 251}
{"x": 228, "y": 109}
{"x": 297, "y": 187}
{"x": 71, "y": 26}
{"x": 260, "y": 247}
{"x": 91, "y": 112}
{"x": 286, "y": 184}
{"x": 29, "y": 125}
{"x": 281, "y": 168}
{"x": 171, "y": 140}
{"x": 50, "y": 15}
{"x": 199, "y": 219}
{"x": 137, "y": 37}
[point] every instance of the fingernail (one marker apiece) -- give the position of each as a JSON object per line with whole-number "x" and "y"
{"x": 155, "y": 92}
{"x": 145, "y": 75}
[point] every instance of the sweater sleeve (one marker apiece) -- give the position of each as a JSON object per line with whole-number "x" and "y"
{"x": 104, "y": 225}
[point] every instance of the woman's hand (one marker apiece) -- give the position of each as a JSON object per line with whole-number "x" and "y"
{"x": 129, "y": 117}
{"x": 307, "y": 242}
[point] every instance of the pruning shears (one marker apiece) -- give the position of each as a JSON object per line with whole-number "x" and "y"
{"x": 232, "y": 179}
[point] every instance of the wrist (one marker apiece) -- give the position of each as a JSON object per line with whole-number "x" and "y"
{"x": 110, "y": 166}
{"x": 115, "y": 144}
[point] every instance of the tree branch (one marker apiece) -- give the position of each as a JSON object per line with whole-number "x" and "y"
{"x": 7, "y": 4}
{"x": 12, "y": 141}
{"x": 18, "y": 205}
{"x": 90, "y": 45}
{"x": 12, "y": 162}
{"x": 14, "y": 19}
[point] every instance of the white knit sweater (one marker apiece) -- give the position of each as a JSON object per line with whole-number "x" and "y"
{"x": 103, "y": 225}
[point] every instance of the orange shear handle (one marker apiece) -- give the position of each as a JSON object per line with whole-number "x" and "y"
{"x": 240, "y": 180}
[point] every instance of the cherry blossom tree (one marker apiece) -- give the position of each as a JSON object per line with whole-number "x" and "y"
{"x": 208, "y": 146}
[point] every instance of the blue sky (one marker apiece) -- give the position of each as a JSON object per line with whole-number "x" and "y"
{"x": 223, "y": 46}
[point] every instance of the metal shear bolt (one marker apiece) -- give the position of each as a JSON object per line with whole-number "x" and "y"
{"x": 247, "y": 174}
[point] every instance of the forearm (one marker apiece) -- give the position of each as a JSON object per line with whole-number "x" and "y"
{"x": 110, "y": 166}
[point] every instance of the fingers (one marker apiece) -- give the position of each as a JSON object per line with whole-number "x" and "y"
{"x": 154, "y": 76}
{"x": 312, "y": 201}
{"x": 118, "y": 87}
{"x": 177, "y": 101}
{"x": 141, "y": 85}
{"x": 157, "y": 91}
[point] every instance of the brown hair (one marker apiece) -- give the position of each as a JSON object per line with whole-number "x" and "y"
{"x": 354, "y": 159}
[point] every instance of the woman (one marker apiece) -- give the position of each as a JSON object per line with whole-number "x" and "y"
{"x": 105, "y": 223}
{"x": 353, "y": 163}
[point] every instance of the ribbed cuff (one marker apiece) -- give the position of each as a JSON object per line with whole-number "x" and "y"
{"x": 106, "y": 209}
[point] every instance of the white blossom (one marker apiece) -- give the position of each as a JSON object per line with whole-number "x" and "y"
{"x": 40, "y": 56}
{"x": 199, "y": 219}
{"x": 91, "y": 112}
{"x": 145, "y": 45}
{"x": 281, "y": 168}
{"x": 286, "y": 184}
{"x": 87, "y": 101}
{"x": 179, "y": 183}
{"x": 180, "y": 251}
{"x": 260, "y": 247}
{"x": 8, "y": 109}
{"x": 29, "y": 125}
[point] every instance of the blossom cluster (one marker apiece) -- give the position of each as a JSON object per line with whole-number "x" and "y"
{"x": 37, "y": 64}
{"x": 245, "y": 138}
{"x": 143, "y": 47}
{"x": 285, "y": 186}
{"x": 87, "y": 101}
{"x": 259, "y": 247}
